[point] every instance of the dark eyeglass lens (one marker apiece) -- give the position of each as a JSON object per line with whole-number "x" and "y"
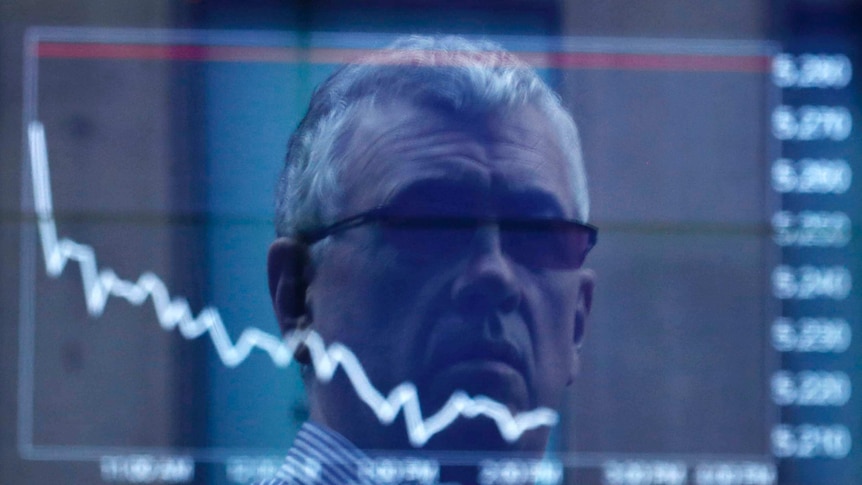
{"x": 546, "y": 244}
{"x": 427, "y": 240}
{"x": 541, "y": 244}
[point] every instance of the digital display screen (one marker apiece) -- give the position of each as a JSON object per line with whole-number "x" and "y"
{"x": 143, "y": 346}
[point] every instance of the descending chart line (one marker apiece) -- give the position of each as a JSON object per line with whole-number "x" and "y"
{"x": 175, "y": 313}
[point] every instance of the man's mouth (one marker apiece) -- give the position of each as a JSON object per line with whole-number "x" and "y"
{"x": 479, "y": 367}
{"x": 478, "y": 355}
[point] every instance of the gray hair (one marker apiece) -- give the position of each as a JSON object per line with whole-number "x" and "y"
{"x": 469, "y": 78}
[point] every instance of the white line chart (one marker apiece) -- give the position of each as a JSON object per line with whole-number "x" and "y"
{"x": 175, "y": 313}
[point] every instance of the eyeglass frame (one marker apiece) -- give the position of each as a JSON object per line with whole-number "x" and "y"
{"x": 382, "y": 214}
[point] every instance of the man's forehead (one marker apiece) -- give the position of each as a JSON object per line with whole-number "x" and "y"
{"x": 396, "y": 143}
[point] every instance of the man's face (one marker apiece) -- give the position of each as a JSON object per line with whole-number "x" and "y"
{"x": 472, "y": 318}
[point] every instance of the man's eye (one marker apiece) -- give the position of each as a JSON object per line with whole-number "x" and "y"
{"x": 415, "y": 239}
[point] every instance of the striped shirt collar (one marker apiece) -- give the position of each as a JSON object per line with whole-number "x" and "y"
{"x": 320, "y": 456}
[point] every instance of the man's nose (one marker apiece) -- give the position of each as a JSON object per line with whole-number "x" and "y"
{"x": 488, "y": 283}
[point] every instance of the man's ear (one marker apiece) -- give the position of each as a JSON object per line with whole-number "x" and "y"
{"x": 586, "y": 284}
{"x": 287, "y": 267}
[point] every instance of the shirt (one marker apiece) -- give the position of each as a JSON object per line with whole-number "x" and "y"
{"x": 320, "y": 456}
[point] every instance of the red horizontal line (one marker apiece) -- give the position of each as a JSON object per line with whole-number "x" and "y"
{"x": 648, "y": 62}
{"x": 165, "y": 52}
{"x": 560, "y": 60}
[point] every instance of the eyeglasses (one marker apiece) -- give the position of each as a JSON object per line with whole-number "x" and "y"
{"x": 552, "y": 243}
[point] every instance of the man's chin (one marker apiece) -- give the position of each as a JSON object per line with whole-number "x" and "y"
{"x": 487, "y": 379}
{"x": 479, "y": 381}
{"x": 481, "y": 435}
